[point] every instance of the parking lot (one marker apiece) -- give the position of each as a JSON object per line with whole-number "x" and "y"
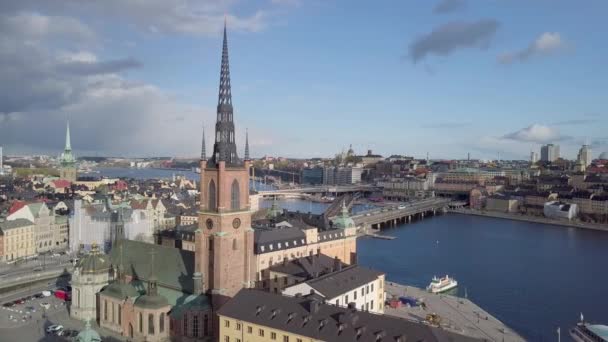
{"x": 28, "y": 321}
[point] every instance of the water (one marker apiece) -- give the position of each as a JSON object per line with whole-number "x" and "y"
{"x": 533, "y": 277}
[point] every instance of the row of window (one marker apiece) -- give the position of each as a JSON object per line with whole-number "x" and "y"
{"x": 261, "y": 333}
{"x": 194, "y": 321}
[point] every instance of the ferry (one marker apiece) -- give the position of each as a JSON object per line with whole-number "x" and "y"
{"x": 439, "y": 285}
{"x": 585, "y": 332}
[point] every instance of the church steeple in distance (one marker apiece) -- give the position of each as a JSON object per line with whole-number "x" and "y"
{"x": 247, "y": 145}
{"x": 224, "y": 148}
{"x": 68, "y": 143}
{"x": 203, "y": 147}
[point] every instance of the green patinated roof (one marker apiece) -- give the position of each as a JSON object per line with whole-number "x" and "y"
{"x": 172, "y": 267}
{"x": 35, "y": 208}
{"x": 120, "y": 290}
{"x": 190, "y": 302}
{"x": 88, "y": 334}
{"x": 151, "y": 302}
{"x": 344, "y": 220}
{"x": 94, "y": 262}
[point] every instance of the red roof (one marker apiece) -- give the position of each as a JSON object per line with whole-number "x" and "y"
{"x": 61, "y": 183}
{"x": 16, "y": 206}
{"x": 120, "y": 185}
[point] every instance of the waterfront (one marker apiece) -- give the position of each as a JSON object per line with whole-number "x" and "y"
{"x": 533, "y": 277}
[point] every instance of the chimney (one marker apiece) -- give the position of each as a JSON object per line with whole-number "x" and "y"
{"x": 337, "y": 264}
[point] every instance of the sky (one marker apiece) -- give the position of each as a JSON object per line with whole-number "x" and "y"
{"x": 309, "y": 77}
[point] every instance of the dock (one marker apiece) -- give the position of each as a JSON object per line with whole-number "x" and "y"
{"x": 378, "y": 236}
{"x": 457, "y": 314}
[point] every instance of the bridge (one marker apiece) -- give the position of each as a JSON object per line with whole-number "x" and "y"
{"x": 322, "y": 189}
{"x": 379, "y": 218}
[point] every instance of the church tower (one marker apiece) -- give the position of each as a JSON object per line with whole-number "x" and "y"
{"x": 224, "y": 239}
{"x": 67, "y": 170}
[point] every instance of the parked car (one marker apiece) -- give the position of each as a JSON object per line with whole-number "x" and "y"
{"x": 45, "y": 305}
{"x": 8, "y": 305}
{"x": 46, "y": 293}
{"x": 38, "y": 295}
{"x": 54, "y": 329}
{"x": 19, "y": 301}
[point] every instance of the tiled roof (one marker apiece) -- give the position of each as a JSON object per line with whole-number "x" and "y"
{"x": 268, "y": 240}
{"x": 348, "y": 279}
{"x": 305, "y": 316}
{"x": 18, "y": 223}
{"x": 304, "y": 267}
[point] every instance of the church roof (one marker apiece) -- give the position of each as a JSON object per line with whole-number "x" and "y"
{"x": 173, "y": 267}
{"x": 151, "y": 302}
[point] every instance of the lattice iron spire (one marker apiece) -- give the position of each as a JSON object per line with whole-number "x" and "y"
{"x": 203, "y": 147}
{"x": 247, "y": 144}
{"x": 224, "y": 148}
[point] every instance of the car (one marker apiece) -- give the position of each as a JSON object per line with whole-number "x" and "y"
{"x": 37, "y": 269}
{"x": 46, "y": 293}
{"x": 39, "y": 295}
{"x": 45, "y": 305}
{"x": 54, "y": 329}
{"x": 18, "y": 301}
{"x": 8, "y": 305}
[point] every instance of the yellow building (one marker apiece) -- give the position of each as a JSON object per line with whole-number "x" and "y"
{"x": 18, "y": 239}
{"x": 257, "y": 316}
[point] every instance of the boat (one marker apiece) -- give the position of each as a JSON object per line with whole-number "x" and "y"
{"x": 439, "y": 285}
{"x": 585, "y": 332}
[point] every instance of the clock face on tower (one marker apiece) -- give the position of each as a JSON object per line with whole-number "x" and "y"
{"x": 236, "y": 223}
{"x": 209, "y": 223}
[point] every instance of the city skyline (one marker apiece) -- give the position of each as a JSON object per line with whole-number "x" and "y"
{"x": 137, "y": 83}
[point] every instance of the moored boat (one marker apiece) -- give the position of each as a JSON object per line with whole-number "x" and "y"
{"x": 439, "y": 285}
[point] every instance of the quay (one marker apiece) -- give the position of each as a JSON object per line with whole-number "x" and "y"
{"x": 378, "y": 236}
{"x": 456, "y": 314}
{"x": 528, "y": 218}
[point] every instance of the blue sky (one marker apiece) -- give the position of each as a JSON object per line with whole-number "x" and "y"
{"x": 448, "y": 77}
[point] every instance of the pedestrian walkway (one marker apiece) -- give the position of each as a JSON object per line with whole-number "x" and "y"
{"x": 456, "y": 314}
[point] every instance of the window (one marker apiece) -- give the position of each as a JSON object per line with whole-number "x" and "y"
{"x": 337, "y": 301}
{"x": 238, "y": 326}
{"x": 113, "y": 320}
{"x": 249, "y": 330}
{"x": 119, "y": 314}
{"x": 273, "y": 336}
{"x": 195, "y": 326}
{"x": 185, "y": 332}
{"x": 298, "y": 340}
{"x": 362, "y": 291}
{"x": 211, "y": 199}
{"x": 235, "y": 196}
{"x": 105, "y": 310}
{"x": 355, "y": 294}
{"x": 141, "y": 323}
{"x": 161, "y": 322}
{"x": 372, "y": 289}
{"x": 366, "y": 289}
{"x": 372, "y": 305}
{"x": 227, "y": 323}
{"x": 285, "y": 281}
{"x": 226, "y": 338}
{"x": 285, "y": 338}
{"x": 261, "y": 332}
{"x": 346, "y": 299}
{"x": 151, "y": 324}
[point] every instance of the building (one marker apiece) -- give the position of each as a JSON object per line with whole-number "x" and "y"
{"x": 407, "y": 187}
{"x": 67, "y": 169}
{"x": 261, "y": 316}
{"x": 354, "y": 285}
{"x": 296, "y": 271}
{"x": 370, "y": 158}
{"x": 18, "y": 239}
{"x": 533, "y": 157}
{"x": 225, "y": 239}
{"x": 342, "y": 175}
{"x": 549, "y": 153}
{"x": 43, "y": 220}
{"x": 559, "y": 210}
{"x": 92, "y": 273}
{"x": 312, "y": 175}
{"x": 584, "y": 155}
{"x": 502, "y": 203}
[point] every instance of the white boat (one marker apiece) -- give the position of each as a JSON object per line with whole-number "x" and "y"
{"x": 439, "y": 285}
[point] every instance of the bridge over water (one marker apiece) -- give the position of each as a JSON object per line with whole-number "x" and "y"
{"x": 323, "y": 189}
{"x": 379, "y": 218}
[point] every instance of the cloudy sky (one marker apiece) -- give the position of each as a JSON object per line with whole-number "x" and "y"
{"x": 309, "y": 77}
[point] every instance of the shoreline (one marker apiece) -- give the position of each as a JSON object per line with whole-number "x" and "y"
{"x": 533, "y": 219}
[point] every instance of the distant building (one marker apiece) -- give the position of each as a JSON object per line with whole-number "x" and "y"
{"x": 533, "y": 157}
{"x": 549, "y": 153}
{"x": 18, "y": 239}
{"x": 584, "y": 155}
{"x": 312, "y": 175}
{"x": 559, "y": 210}
{"x": 342, "y": 175}
{"x": 502, "y": 203}
{"x": 370, "y": 158}
{"x": 67, "y": 170}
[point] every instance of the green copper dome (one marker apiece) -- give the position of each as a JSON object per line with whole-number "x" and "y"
{"x": 88, "y": 334}
{"x": 344, "y": 220}
{"x": 94, "y": 262}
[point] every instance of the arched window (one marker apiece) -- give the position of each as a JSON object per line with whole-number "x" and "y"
{"x": 235, "y": 196}
{"x": 234, "y": 244}
{"x": 141, "y": 323}
{"x": 161, "y": 323}
{"x": 150, "y": 324}
{"x": 212, "y": 203}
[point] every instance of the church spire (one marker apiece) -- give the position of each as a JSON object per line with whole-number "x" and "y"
{"x": 247, "y": 145}
{"x": 203, "y": 147}
{"x": 68, "y": 144}
{"x": 224, "y": 148}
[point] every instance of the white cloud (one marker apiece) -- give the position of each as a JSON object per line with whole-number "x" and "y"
{"x": 536, "y": 133}
{"x": 34, "y": 26}
{"x": 546, "y": 43}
